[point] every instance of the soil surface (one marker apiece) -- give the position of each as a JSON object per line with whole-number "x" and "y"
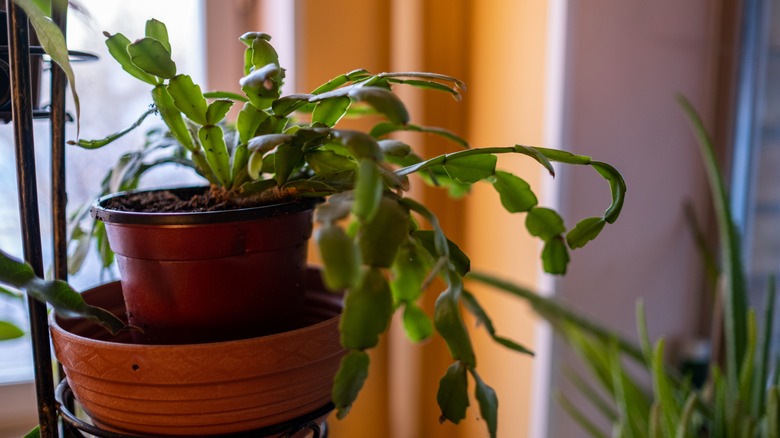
{"x": 163, "y": 201}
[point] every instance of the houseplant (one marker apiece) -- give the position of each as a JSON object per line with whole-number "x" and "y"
{"x": 369, "y": 240}
{"x": 633, "y": 386}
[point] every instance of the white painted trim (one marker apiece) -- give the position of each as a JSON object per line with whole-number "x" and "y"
{"x": 553, "y": 138}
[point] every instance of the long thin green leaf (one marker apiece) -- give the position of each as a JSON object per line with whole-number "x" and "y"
{"x": 54, "y": 44}
{"x": 553, "y": 310}
{"x": 773, "y": 412}
{"x": 746, "y": 373}
{"x": 625, "y": 405}
{"x": 734, "y": 292}
{"x": 581, "y": 419}
{"x": 684, "y": 427}
{"x": 762, "y": 366}
{"x": 663, "y": 391}
{"x": 644, "y": 338}
{"x": 594, "y": 397}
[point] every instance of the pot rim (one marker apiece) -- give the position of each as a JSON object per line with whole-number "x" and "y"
{"x": 100, "y": 212}
{"x": 209, "y": 347}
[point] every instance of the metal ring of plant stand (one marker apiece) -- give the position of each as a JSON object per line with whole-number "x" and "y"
{"x": 64, "y": 397}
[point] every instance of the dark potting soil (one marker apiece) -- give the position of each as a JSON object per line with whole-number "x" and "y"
{"x": 163, "y": 201}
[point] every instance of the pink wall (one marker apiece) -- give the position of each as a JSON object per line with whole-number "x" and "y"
{"x": 625, "y": 62}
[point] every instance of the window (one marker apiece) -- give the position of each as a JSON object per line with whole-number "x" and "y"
{"x": 107, "y": 105}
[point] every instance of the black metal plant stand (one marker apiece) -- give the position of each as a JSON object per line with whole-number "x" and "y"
{"x": 52, "y": 407}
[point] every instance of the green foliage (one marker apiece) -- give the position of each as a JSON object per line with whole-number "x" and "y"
{"x": 740, "y": 395}
{"x": 58, "y": 294}
{"x": 379, "y": 245}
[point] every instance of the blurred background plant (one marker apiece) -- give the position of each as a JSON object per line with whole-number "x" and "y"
{"x": 632, "y": 384}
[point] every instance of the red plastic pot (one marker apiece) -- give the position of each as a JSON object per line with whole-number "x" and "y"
{"x": 211, "y": 276}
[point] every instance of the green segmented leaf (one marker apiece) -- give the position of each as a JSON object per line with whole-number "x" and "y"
{"x": 340, "y": 257}
{"x": 349, "y": 380}
{"x": 96, "y": 144}
{"x": 217, "y": 110}
{"x": 150, "y": 56}
{"x": 263, "y": 53}
{"x": 9, "y": 331}
{"x": 359, "y": 144}
{"x": 384, "y": 101}
{"x": 431, "y": 85}
{"x": 472, "y": 168}
{"x": 544, "y": 223}
{"x": 410, "y": 269}
{"x": 449, "y": 322}
{"x": 417, "y": 324}
{"x": 330, "y": 111}
{"x": 488, "y": 403}
{"x": 367, "y": 311}
{"x": 325, "y": 162}
{"x": 216, "y": 152}
{"x": 536, "y": 155}
{"x": 117, "y": 48}
{"x": 453, "y": 396}
{"x": 10, "y": 293}
{"x": 189, "y": 99}
{"x": 460, "y": 260}
{"x": 255, "y": 165}
{"x": 265, "y": 143}
{"x": 368, "y": 190}
{"x": 617, "y": 187}
{"x": 157, "y": 30}
{"x": 249, "y": 119}
{"x": 384, "y": 128}
{"x": 585, "y": 231}
{"x": 235, "y": 97}
{"x": 380, "y": 238}
{"x": 172, "y": 117}
{"x": 394, "y": 148}
{"x": 286, "y": 158}
{"x": 516, "y": 194}
{"x": 555, "y": 256}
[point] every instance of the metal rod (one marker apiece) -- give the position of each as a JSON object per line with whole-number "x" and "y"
{"x": 59, "y": 83}
{"x": 21, "y": 107}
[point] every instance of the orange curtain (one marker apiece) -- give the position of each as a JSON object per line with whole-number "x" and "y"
{"x": 499, "y": 49}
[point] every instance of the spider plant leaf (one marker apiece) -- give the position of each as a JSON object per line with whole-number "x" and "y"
{"x": 452, "y": 396}
{"x": 349, "y": 380}
{"x": 53, "y": 42}
{"x": 367, "y": 310}
{"x": 663, "y": 392}
{"x": 473, "y": 306}
{"x": 65, "y": 301}
{"x": 150, "y": 55}
{"x": 763, "y": 365}
{"x": 579, "y": 417}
